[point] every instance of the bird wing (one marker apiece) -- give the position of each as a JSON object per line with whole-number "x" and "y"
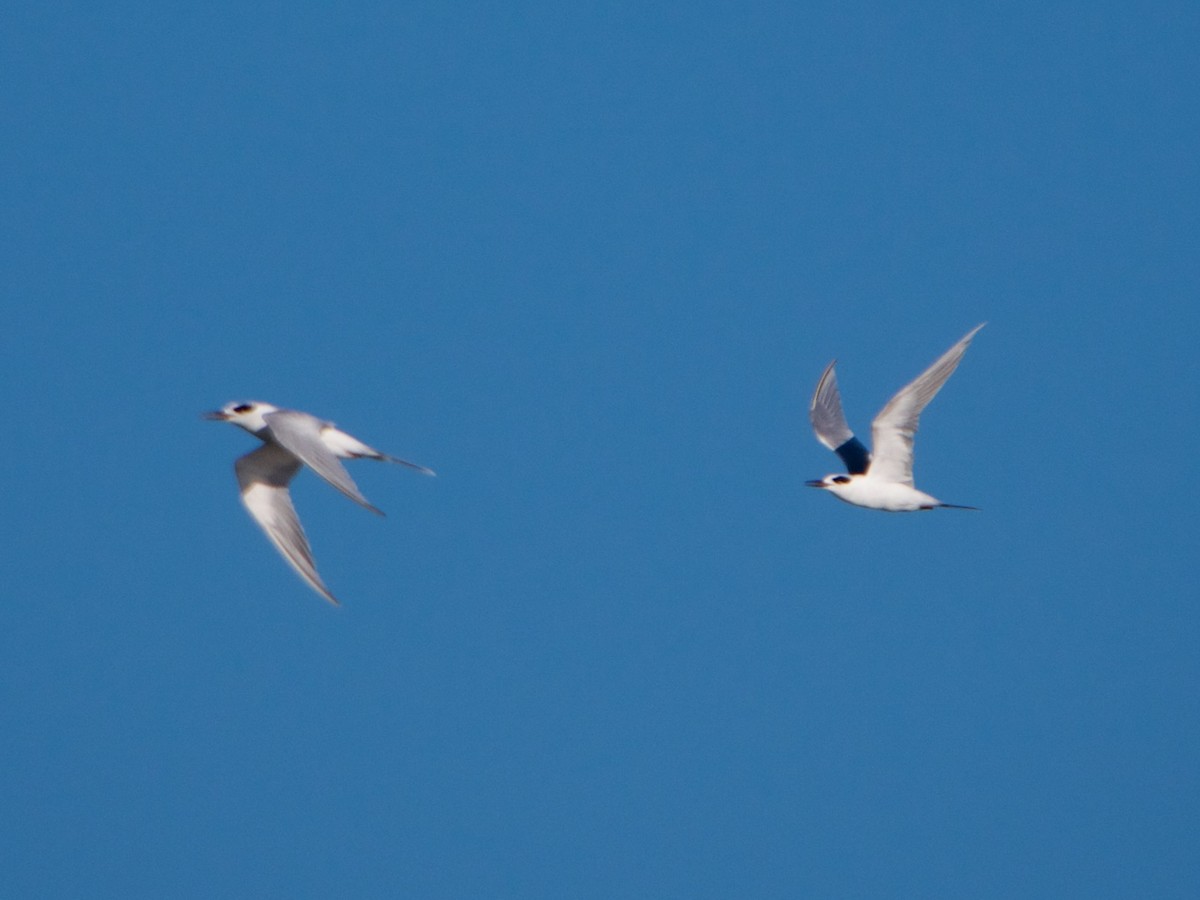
{"x": 893, "y": 429}
{"x": 829, "y": 423}
{"x": 300, "y": 434}
{"x": 263, "y": 477}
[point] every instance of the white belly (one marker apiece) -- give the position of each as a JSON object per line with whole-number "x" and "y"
{"x": 885, "y": 495}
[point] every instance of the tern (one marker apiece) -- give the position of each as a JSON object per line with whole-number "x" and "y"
{"x": 882, "y": 478}
{"x": 293, "y": 439}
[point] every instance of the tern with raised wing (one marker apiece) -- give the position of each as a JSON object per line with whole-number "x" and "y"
{"x": 881, "y": 478}
{"x": 293, "y": 439}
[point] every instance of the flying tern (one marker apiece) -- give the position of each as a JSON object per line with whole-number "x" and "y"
{"x": 293, "y": 439}
{"x": 882, "y": 478}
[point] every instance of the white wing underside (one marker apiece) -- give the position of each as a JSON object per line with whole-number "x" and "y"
{"x": 263, "y": 477}
{"x": 300, "y": 433}
{"x": 893, "y": 429}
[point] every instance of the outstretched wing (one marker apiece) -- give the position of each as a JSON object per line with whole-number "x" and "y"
{"x": 829, "y": 423}
{"x": 263, "y": 477}
{"x": 893, "y": 429}
{"x": 300, "y": 434}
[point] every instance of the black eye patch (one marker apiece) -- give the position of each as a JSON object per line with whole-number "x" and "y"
{"x": 841, "y": 479}
{"x": 242, "y": 408}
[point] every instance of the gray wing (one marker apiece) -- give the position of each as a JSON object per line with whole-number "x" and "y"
{"x": 893, "y": 429}
{"x": 300, "y": 433}
{"x": 829, "y": 423}
{"x": 263, "y": 477}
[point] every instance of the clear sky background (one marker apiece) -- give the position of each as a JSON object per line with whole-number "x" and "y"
{"x": 588, "y": 260}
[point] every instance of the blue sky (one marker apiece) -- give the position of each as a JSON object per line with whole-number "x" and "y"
{"x": 588, "y": 261}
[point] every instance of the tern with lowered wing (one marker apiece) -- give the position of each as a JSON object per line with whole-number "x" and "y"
{"x": 882, "y": 478}
{"x": 293, "y": 439}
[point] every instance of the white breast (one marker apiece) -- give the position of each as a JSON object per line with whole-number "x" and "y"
{"x": 886, "y": 495}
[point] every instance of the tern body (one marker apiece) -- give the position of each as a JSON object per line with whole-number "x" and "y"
{"x": 291, "y": 440}
{"x": 881, "y": 479}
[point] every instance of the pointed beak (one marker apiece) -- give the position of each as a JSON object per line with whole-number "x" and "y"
{"x": 815, "y": 483}
{"x": 215, "y": 416}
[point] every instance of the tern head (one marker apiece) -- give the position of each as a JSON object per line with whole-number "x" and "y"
{"x": 246, "y": 414}
{"x": 835, "y": 484}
